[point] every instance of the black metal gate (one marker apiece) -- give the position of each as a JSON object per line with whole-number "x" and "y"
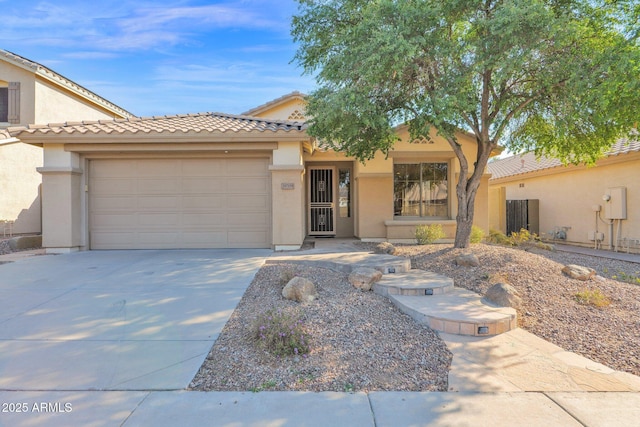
{"x": 321, "y": 202}
{"x": 522, "y": 214}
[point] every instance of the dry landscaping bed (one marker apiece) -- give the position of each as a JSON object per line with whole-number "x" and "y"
{"x": 361, "y": 342}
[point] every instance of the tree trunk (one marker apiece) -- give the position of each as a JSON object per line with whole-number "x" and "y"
{"x": 466, "y": 190}
{"x": 464, "y": 219}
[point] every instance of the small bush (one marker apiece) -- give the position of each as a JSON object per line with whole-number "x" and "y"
{"x": 629, "y": 278}
{"x": 427, "y": 234}
{"x": 498, "y": 237}
{"x": 477, "y": 234}
{"x": 280, "y": 333}
{"x": 592, "y": 297}
{"x": 522, "y": 236}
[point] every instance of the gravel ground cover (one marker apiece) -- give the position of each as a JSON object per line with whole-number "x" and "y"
{"x": 609, "y": 335}
{"x": 359, "y": 342}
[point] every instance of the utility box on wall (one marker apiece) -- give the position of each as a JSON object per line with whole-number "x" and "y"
{"x": 615, "y": 206}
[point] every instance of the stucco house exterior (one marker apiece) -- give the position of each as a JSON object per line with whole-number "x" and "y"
{"x": 32, "y": 93}
{"x": 255, "y": 180}
{"x": 596, "y": 206}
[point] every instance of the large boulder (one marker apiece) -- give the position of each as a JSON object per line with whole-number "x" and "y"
{"x": 363, "y": 278}
{"x": 385, "y": 248}
{"x": 467, "y": 260}
{"x": 503, "y": 295}
{"x": 300, "y": 289}
{"x": 579, "y": 272}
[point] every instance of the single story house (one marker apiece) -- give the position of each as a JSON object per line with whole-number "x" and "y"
{"x": 214, "y": 180}
{"x": 32, "y": 93}
{"x": 597, "y": 206}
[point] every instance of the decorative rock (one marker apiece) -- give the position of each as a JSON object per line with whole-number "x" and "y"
{"x": 385, "y": 248}
{"x": 579, "y": 272}
{"x": 467, "y": 260}
{"x": 363, "y": 278}
{"x": 300, "y": 289}
{"x": 503, "y": 295}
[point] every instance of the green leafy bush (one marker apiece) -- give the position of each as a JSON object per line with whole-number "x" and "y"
{"x": 477, "y": 234}
{"x": 426, "y": 234}
{"x": 280, "y": 333}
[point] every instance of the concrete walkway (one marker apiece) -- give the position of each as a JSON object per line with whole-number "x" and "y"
{"x": 505, "y": 380}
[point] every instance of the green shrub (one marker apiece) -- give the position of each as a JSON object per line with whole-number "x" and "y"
{"x": 426, "y": 234}
{"x": 280, "y": 333}
{"x": 498, "y": 237}
{"x": 592, "y": 297}
{"x": 477, "y": 234}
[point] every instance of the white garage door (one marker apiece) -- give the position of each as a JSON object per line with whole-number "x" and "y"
{"x": 179, "y": 203}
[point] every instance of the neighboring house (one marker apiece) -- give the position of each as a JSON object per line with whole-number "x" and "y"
{"x": 32, "y": 93}
{"x": 235, "y": 181}
{"x": 597, "y": 206}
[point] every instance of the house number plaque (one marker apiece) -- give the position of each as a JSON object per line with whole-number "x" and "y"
{"x": 287, "y": 186}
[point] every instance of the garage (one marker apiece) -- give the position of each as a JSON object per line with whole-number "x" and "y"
{"x": 179, "y": 203}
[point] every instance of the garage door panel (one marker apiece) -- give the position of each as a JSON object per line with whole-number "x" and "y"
{"x": 158, "y": 186}
{"x": 113, "y": 186}
{"x": 203, "y": 202}
{"x": 201, "y": 185}
{"x": 158, "y": 168}
{"x": 114, "y": 203}
{"x": 163, "y": 219}
{"x": 247, "y": 167}
{"x": 111, "y": 168}
{"x": 180, "y": 203}
{"x": 247, "y": 185}
{"x": 158, "y": 202}
{"x": 114, "y": 219}
{"x": 205, "y": 168}
{"x": 219, "y": 220}
{"x": 252, "y": 202}
{"x": 248, "y": 220}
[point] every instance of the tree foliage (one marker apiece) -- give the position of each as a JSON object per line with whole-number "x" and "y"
{"x": 560, "y": 77}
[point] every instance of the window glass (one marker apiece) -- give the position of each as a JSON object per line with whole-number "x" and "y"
{"x": 4, "y": 104}
{"x": 421, "y": 190}
{"x": 344, "y": 190}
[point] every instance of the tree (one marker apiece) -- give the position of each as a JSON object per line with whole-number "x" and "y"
{"x": 560, "y": 77}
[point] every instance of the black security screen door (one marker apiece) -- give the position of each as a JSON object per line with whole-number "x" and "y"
{"x": 321, "y": 202}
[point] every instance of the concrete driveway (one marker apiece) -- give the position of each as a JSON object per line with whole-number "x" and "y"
{"x": 116, "y": 320}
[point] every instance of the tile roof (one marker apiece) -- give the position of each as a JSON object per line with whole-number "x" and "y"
{"x": 525, "y": 163}
{"x": 176, "y": 124}
{"x": 51, "y": 75}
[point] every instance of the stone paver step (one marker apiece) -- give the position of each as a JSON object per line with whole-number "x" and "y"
{"x": 459, "y": 312}
{"x": 414, "y": 283}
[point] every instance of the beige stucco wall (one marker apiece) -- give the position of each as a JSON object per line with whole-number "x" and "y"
{"x": 567, "y": 195}
{"x": 284, "y": 109}
{"x": 55, "y": 105}
{"x": 20, "y": 186}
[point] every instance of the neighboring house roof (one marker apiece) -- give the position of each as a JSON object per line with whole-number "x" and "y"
{"x": 183, "y": 123}
{"x": 528, "y": 162}
{"x": 60, "y": 80}
{"x": 271, "y": 104}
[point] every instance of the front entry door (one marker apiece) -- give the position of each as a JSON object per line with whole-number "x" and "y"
{"x": 322, "y": 218}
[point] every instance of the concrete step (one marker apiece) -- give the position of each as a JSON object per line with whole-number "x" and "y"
{"x": 459, "y": 312}
{"x": 413, "y": 283}
{"x": 345, "y": 262}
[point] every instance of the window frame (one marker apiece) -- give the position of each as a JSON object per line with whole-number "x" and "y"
{"x": 422, "y": 215}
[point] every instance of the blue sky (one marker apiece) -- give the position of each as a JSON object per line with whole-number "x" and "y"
{"x": 165, "y": 56}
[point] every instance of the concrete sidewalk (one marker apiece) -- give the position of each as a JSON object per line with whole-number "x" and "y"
{"x": 379, "y": 409}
